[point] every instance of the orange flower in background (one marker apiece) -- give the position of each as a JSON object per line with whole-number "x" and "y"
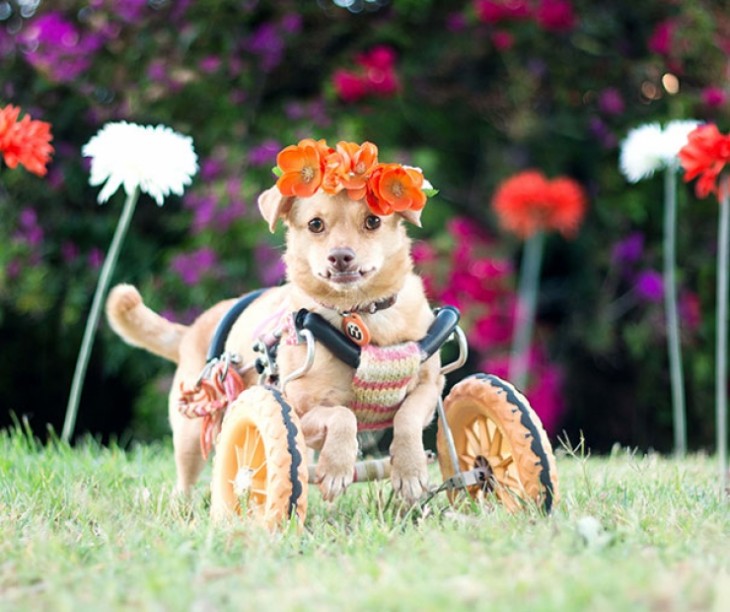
{"x": 25, "y": 142}
{"x": 394, "y": 188}
{"x": 528, "y": 202}
{"x": 705, "y": 155}
{"x": 302, "y": 167}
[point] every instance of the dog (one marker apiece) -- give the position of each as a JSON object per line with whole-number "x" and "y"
{"x": 340, "y": 257}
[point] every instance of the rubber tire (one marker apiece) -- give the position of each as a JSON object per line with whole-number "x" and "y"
{"x": 522, "y": 465}
{"x": 266, "y": 431}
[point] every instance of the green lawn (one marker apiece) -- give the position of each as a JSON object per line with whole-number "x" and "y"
{"x": 96, "y": 528}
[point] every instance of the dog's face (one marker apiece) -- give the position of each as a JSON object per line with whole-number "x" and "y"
{"x": 338, "y": 251}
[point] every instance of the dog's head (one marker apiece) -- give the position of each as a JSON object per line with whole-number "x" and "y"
{"x": 338, "y": 251}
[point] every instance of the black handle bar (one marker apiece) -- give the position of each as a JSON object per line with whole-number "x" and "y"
{"x": 447, "y": 318}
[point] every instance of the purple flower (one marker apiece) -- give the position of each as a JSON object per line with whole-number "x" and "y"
{"x": 210, "y": 64}
{"x": 54, "y": 46}
{"x": 269, "y": 264}
{"x": 129, "y": 10}
{"x": 268, "y": 45}
{"x": 203, "y": 208}
{"x": 456, "y": 22}
{"x": 191, "y": 267}
{"x": 210, "y": 168}
{"x": 291, "y": 23}
{"x": 69, "y": 252}
{"x": 611, "y": 102}
{"x": 96, "y": 258}
{"x": 650, "y": 286}
{"x": 264, "y": 154}
{"x": 13, "y": 268}
{"x": 629, "y": 250}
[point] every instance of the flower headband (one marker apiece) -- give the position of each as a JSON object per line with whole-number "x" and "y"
{"x": 387, "y": 188}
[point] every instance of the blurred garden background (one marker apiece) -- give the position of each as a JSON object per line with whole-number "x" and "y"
{"x": 471, "y": 91}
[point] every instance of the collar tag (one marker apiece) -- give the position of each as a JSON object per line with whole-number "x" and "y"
{"x": 355, "y": 329}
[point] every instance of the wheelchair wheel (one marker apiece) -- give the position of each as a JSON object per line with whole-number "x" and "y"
{"x": 259, "y": 469}
{"x": 495, "y": 428}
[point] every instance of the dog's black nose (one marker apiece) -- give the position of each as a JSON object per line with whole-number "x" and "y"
{"x": 341, "y": 258}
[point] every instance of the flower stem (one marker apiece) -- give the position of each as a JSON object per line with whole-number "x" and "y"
{"x": 671, "y": 309}
{"x": 93, "y": 320}
{"x": 526, "y": 306}
{"x": 721, "y": 344}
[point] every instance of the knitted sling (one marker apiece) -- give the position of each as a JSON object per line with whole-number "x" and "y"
{"x": 380, "y": 383}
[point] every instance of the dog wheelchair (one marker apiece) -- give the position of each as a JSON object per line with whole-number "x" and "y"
{"x": 490, "y": 442}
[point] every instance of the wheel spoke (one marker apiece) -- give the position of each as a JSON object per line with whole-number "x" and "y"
{"x": 497, "y": 439}
{"x": 468, "y": 459}
{"x": 473, "y": 440}
{"x": 486, "y": 439}
{"x": 251, "y": 445}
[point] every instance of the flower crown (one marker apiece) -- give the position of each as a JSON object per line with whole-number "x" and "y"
{"x": 387, "y": 188}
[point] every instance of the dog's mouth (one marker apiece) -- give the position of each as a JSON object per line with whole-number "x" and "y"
{"x": 346, "y": 277}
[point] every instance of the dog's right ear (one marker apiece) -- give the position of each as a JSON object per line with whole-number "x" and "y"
{"x": 274, "y": 206}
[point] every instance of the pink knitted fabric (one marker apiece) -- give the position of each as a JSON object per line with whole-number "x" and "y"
{"x": 380, "y": 383}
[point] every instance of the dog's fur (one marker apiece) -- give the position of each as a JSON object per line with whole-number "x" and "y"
{"x": 378, "y": 266}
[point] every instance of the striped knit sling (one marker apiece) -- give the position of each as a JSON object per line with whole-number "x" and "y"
{"x": 380, "y": 383}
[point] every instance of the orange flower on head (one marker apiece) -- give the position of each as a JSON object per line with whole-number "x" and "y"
{"x": 361, "y": 161}
{"x": 25, "y": 142}
{"x": 394, "y": 188}
{"x": 705, "y": 155}
{"x": 527, "y": 203}
{"x": 302, "y": 167}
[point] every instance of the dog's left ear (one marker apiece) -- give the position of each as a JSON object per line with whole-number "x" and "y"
{"x": 412, "y": 216}
{"x": 274, "y": 206}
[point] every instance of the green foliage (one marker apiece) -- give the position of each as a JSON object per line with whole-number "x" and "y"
{"x": 476, "y": 101}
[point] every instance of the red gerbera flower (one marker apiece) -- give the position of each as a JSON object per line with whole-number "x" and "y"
{"x": 25, "y": 142}
{"x": 705, "y": 155}
{"x": 528, "y": 202}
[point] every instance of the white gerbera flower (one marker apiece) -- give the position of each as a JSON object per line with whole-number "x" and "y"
{"x": 157, "y": 160}
{"x": 649, "y": 148}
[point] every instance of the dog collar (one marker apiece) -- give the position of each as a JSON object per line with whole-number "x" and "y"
{"x": 367, "y": 308}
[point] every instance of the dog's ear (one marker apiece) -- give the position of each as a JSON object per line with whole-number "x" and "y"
{"x": 412, "y": 216}
{"x": 274, "y": 206}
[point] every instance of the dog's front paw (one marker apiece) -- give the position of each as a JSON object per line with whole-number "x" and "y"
{"x": 409, "y": 472}
{"x": 335, "y": 472}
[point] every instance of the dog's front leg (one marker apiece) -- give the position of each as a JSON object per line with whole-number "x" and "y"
{"x": 333, "y": 431}
{"x": 409, "y": 473}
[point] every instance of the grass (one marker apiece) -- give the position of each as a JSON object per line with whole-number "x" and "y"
{"x": 96, "y": 528}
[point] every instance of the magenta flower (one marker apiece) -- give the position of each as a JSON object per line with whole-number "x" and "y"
{"x": 350, "y": 87}
{"x": 714, "y": 97}
{"x": 650, "y": 286}
{"x": 556, "y": 15}
{"x": 497, "y": 11}
{"x": 661, "y": 41}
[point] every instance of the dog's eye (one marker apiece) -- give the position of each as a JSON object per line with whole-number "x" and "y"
{"x": 372, "y": 222}
{"x": 316, "y": 225}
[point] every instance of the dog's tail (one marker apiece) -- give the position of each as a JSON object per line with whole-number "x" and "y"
{"x": 140, "y": 326}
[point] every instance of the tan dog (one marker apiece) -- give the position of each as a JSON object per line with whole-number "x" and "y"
{"x": 340, "y": 257}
